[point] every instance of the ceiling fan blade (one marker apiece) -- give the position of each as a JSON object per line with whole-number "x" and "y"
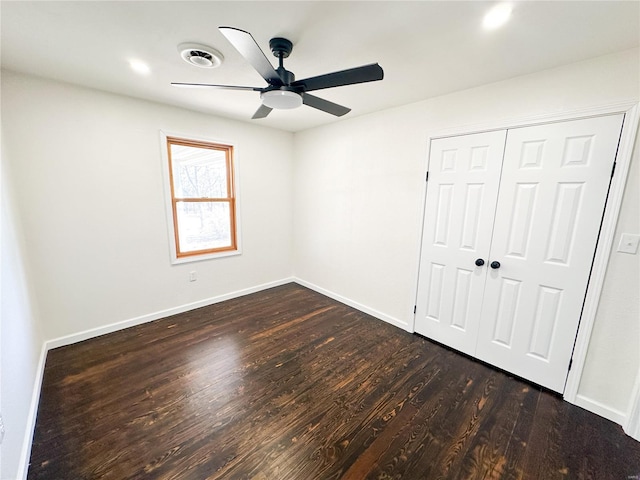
{"x": 227, "y": 87}
{"x": 366, "y": 73}
{"x": 262, "y": 112}
{"x": 249, "y": 49}
{"x": 324, "y": 105}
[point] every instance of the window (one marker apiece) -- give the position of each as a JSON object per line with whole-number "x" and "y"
{"x": 202, "y": 197}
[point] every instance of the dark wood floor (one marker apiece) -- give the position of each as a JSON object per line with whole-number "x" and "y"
{"x": 289, "y": 384}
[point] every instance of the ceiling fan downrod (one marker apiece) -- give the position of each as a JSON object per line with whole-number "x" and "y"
{"x": 281, "y": 49}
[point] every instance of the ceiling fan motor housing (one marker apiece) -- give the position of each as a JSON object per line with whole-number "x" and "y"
{"x": 286, "y": 76}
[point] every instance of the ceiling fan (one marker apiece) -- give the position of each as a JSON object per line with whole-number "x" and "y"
{"x": 283, "y": 90}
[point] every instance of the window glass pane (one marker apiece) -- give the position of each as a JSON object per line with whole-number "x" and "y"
{"x": 203, "y": 225}
{"x": 198, "y": 172}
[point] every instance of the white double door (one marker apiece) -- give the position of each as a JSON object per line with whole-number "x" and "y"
{"x": 531, "y": 200}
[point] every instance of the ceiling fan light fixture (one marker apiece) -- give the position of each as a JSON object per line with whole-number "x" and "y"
{"x": 281, "y": 99}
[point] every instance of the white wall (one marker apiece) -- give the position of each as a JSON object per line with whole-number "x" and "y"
{"x": 89, "y": 190}
{"x": 358, "y": 189}
{"x": 21, "y": 338}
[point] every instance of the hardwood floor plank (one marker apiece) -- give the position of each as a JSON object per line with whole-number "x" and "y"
{"x": 517, "y": 445}
{"x": 488, "y": 455}
{"x": 289, "y": 384}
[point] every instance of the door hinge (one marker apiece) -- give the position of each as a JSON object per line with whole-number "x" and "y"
{"x": 415, "y": 307}
{"x": 427, "y": 179}
{"x": 613, "y": 169}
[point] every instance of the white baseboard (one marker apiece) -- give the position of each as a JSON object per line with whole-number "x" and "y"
{"x": 632, "y": 424}
{"x": 358, "y": 306}
{"x": 23, "y": 467}
{"x": 601, "y": 409}
{"x": 114, "y": 327}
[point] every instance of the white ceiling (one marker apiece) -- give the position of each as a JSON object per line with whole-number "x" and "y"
{"x": 427, "y": 48}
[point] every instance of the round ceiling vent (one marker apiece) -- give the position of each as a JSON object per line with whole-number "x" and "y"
{"x": 200, "y": 55}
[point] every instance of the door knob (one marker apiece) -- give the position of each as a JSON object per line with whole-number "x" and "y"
{"x": 495, "y": 264}
{"x": 479, "y": 262}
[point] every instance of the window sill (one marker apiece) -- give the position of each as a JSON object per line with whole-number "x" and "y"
{"x": 204, "y": 256}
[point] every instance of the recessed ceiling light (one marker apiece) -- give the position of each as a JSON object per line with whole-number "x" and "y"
{"x": 200, "y": 55}
{"x": 139, "y": 67}
{"x": 497, "y": 16}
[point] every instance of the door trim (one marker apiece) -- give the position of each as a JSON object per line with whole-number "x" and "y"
{"x": 603, "y": 251}
{"x": 631, "y": 110}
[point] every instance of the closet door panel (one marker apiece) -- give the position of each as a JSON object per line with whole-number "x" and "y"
{"x": 555, "y": 180}
{"x": 462, "y": 190}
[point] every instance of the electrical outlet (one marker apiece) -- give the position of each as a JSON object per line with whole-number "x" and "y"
{"x": 629, "y": 243}
{"x": 193, "y": 276}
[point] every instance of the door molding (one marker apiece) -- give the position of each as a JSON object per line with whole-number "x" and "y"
{"x": 631, "y": 110}
{"x": 603, "y": 250}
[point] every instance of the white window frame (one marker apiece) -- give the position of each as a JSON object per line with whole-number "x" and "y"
{"x": 171, "y": 227}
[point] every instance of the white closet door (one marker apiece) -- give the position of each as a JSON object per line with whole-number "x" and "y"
{"x": 464, "y": 175}
{"x": 555, "y": 180}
